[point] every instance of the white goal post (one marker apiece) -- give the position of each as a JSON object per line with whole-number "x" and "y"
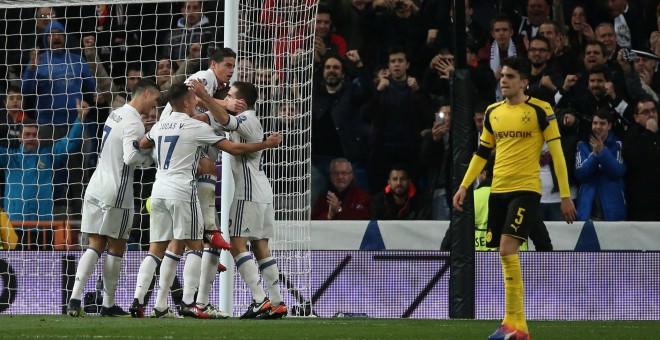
{"x": 41, "y": 240}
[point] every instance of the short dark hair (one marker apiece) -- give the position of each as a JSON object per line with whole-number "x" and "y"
{"x": 144, "y": 84}
{"x": 645, "y": 99}
{"x": 501, "y": 18}
{"x": 324, "y": 9}
{"x": 519, "y": 64}
{"x": 246, "y": 91}
{"x": 222, "y": 53}
{"x": 396, "y": 50}
{"x": 13, "y": 89}
{"x": 540, "y": 38}
{"x": 602, "y": 46}
{"x": 598, "y": 69}
{"x": 29, "y": 122}
{"x": 604, "y": 112}
{"x": 177, "y": 94}
{"x": 399, "y": 167}
{"x": 335, "y": 56}
{"x": 558, "y": 28}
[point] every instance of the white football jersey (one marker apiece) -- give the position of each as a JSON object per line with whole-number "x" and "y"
{"x": 112, "y": 181}
{"x": 179, "y": 141}
{"x": 210, "y": 83}
{"x": 251, "y": 183}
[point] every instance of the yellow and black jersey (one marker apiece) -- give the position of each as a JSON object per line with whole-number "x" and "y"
{"x": 518, "y": 131}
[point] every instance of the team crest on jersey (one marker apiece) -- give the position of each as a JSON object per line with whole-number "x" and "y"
{"x": 526, "y": 118}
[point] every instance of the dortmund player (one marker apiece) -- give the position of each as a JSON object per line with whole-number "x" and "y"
{"x": 518, "y": 126}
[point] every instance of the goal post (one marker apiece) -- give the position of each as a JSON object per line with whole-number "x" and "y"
{"x": 107, "y": 46}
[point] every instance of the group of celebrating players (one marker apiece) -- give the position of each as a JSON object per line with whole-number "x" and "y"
{"x": 183, "y": 144}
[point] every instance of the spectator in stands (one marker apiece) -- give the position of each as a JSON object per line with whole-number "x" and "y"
{"x": 579, "y": 30}
{"x": 345, "y": 200}
{"x": 400, "y": 199}
{"x": 168, "y": 73}
{"x": 544, "y": 80}
{"x": 245, "y": 68}
{"x": 29, "y": 170}
{"x": 642, "y": 157}
{"x": 435, "y": 158}
{"x": 336, "y": 128}
{"x": 647, "y": 68}
{"x": 628, "y": 25}
{"x": 112, "y": 35}
{"x": 654, "y": 39}
{"x": 326, "y": 42}
{"x": 436, "y": 76}
{"x": 397, "y": 113}
{"x": 502, "y": 47}
{"x": 192, "y": 28}
{"x": 354, "y": 21}
{"x": 398, "y": 24}
{"x": 605, "y": 34}
{"x": 10, "y": 128}
{"x": 537, "y": 11}
{"x": 562, "y": 58}
{"x": 282, "y": 167}
{"x": 56, "y": 79}
{"x": 600, "y": 169}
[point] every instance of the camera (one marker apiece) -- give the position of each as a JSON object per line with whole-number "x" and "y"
{"x": 440, "y": 117}
{"x": 629, "y": 55}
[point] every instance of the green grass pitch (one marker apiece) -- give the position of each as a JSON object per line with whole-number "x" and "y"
{"x": 94, "y": 327}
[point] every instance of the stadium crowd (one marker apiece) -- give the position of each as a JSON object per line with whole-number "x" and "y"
{"x": 381, "y": 110}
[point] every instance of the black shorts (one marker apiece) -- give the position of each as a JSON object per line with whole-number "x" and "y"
{"x": 512, "y": 213}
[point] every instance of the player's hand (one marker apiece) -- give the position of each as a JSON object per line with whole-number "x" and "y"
{"x": 459, "y": 197}
{"x": 273, "y": 140}
{"x": 197, "y": 87}
{"x": 568, "y": 210}
{"x": 235, "y": 105}
{"x": 83, "y": 109}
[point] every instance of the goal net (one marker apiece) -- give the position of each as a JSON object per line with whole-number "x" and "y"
{"x": 91, "y": 54}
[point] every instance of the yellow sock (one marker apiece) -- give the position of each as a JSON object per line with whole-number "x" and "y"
{"x": 514, "y": 315}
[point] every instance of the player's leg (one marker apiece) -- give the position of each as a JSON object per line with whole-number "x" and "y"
{"x": 91, "y": 225}
{"x": 267, "y": 264}
{"x": 243, "y": 215}
{"x": 522, "y": 214}
{"x": 116, "y": 227}
{"x": 206, "y": 183}
{"x": 146, "y": 276}
{"x": 271, "y": 274}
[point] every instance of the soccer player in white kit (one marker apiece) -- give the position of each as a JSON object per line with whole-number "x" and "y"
{"x": 175, "y": 210}
{"x": 107, "y": 214}
{"x": 252, "y": 216}
{"x": 214, "y": 79}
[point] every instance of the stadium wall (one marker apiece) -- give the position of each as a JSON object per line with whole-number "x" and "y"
{"x": 412, "y": 284}
{"x": 427, "y": 235}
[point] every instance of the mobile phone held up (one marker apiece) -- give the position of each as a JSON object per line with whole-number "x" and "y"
{"x": 440, "y": 117}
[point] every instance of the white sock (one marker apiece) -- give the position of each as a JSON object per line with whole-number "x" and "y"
{"x": 206, "y": 194}
{"x": 167, "y": 274}
{"x": 210, "y": 259}
{"x": 271, "y": 274}
{"x": 111, "y": 269}
{"x": 250, "y": 275}
{"x": 145, "y": 276}
{"x": 191, "y": 274}
{"x": 85, "y": 268}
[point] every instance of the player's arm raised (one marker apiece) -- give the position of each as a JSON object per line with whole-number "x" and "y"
{"x": 243, "y": 148}
{"x": 219, "y": 112}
